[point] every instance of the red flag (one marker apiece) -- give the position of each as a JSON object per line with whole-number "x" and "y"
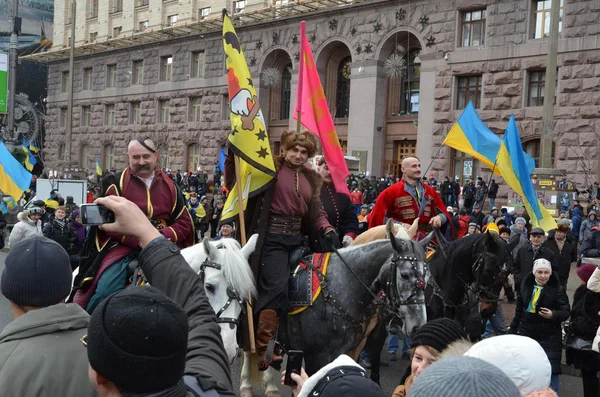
{"x": 312, "y": 107}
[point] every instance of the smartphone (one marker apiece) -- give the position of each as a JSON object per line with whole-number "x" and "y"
{"x": 294, "y": 364}
{"x": 93, "y": 214}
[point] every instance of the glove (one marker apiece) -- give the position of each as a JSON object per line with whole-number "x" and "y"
{"x": 332, "y": 239}
{"x": 347, "y": 240}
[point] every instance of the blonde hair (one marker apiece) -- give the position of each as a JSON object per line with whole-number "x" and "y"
{"x": 433, "y": 351}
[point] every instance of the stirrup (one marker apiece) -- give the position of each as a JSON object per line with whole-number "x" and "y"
{"x": 274, "y": 349}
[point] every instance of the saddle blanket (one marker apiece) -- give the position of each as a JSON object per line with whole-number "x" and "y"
{"x": 304, "y": 284}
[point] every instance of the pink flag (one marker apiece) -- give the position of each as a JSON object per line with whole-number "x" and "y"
{"x": 312, "y": 107}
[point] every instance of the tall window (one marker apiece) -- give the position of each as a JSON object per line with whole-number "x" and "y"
{"x": 111, "y": 76}
{"x": 465, "y": 166}
{"x": 542, "y": 17}
{"x": 193, "y": 160}
{"x": 166, "y": 68}
{"x": 109, "y": 114}
{"x": 472, "y": 28}
{"x": 535, "y": 88}
{"x": 532, "y": 148}
{"x": 197, "y": 64}
{"x": 109, "y": 157}
{"x": 92, "y": 9}
{"x": 238, "y": 6}
{"x": 469, "y": 89}
{"x": 137, "y": 72}
{"x": 64, "y": 82}
{"x": 163, "y": 158}
{"x": 85, "y": 158}
{"x": 172, "y": 19}
{"x": 141, "y": 3}
{"x": 163, "y": 111}
{"x": 86, "y": 116}
{"x": 342, "y": 106}
{"x": 195, "y": 109}
{"x": 203, "y": 12}
{"x": 286, "y": 90}
{"x": 87, "y": 78}
{"x": 62, "y": 117}
{"x": 225, "y": 110}
{"x": 61, "y": 151}
{"x": 116, "y": 6}
{"x": 403, "y": 93}
{"x": 135, "y": 113}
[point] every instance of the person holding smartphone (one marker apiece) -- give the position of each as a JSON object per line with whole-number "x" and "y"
{"x": 542, "y": 306}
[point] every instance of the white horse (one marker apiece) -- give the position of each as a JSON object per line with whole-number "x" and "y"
{"x": 228, "y": 282}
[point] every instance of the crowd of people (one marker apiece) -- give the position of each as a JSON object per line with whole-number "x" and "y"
{"x": 164, "y": 340}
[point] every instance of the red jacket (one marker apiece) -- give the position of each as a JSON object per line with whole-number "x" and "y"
{"x": 357, "y": 197}
{"x": 464, "y": 225}
{"x": 398, "y": 204}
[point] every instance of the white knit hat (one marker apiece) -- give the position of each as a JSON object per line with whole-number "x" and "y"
{"x": 541, "y": 264}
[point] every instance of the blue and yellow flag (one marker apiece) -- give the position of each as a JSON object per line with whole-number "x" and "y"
{"x": 14, "y": 178}
{"x": 32, "y": 147}
{"x": 470, "y": 135}
{"x": 3, "y": 208}
{"x": 513, "y": 167}
{"x": 30, "y": 160}
{"x": 98, "y": 168}
{"x": 248, "y": 138}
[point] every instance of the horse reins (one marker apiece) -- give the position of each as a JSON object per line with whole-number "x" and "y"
{"x": 231, "y": 293}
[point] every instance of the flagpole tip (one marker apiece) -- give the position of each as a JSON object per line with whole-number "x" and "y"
{"x": 224, "y": 12}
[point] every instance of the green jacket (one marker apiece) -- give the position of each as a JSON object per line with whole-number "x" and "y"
{"x": 41, "y": 354}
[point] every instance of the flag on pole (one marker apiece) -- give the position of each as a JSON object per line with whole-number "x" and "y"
{"x": 513, "y": 167}
{"x": 32, "y": 147}
{"x": 30, "y": 160}
{"x": 248, "y": 138}
{"x": 312, "y": 107}
{"x": 98, "y": 168}
{"x": 14, "y": 178}
{"x": 471, "y": 136}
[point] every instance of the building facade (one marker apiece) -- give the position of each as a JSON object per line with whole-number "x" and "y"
{"x": 157, "y": 68}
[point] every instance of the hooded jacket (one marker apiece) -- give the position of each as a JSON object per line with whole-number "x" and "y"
{"x": 587, "y": 225}
{"x": 41, "y": 353}
{"x": 25, "y": 228}
{"x": 591, "y": 244}
{"x": 547, "y": 332}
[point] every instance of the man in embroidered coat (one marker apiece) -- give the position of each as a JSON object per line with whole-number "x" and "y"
{"x": 145, "y": 184}
{"x": 409, "y": 199}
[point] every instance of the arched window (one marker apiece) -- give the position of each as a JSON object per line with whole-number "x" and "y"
{"x": 465, "y": 167}
{"x": 109, "y": 158}
{"x": 403, "y": 92}
{"x": 342, "y": 98}
{"x": 286, "y": 90}
{"x": 193, "y": 154}
{"x": 532, "y": 148}
{"x": 84, "y": 158}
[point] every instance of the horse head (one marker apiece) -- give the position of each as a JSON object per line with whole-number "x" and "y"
{"x": 493, "y": 262}
{"x": 403, "y": 281}
{"x": 228, "y": 282}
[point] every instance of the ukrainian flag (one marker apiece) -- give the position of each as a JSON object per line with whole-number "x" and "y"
{"x": 470, "y": 135}
{"x": 30, "y": 160}
{"x": 98, "y": 168}
{"x": 14, "y": 179}
{"x": 32, "y": 147}
{"x": 513, "y": 167}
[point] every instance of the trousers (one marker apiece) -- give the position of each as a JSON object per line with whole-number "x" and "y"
{"x": 274, "y": 271}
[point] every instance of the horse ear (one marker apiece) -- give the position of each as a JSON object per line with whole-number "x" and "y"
{"x": 389, "y": 228}
{"x": 248, "y": 249}
{"x": 209, "y": 249}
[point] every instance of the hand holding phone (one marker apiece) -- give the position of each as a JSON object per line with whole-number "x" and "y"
{"x": 294, "y": 365}
{"x": 94, "y": 214}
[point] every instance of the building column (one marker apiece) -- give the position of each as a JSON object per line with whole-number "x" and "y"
{"x": 425, "y": 142}
{"x": 367, "y": 114}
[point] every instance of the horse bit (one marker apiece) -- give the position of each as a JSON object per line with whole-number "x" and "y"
{"x": 231, "y": 293}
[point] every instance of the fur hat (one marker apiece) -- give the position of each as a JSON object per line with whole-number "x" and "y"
{"x": 306, "y": 139}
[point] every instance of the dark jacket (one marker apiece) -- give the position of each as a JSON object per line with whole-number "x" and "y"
{"x": 493, "y": 190}
{"x": 340, "y": 214}
{"x": 583, "y": 324}
{"x": 469, "y": 191}
{"x": 165, "y": 269}
{"x": 446, "y": 188}
{"x": 548, "y": 333}
{"x": 480, "y": 192}
{"x": 478, "y": 218}
{"x": 61, "y": 232}
{"x": 563, "y": 257}
{"x": 523, "y": 264}
{"x": 2, "y": 226}
{"x": 591, "y": 244}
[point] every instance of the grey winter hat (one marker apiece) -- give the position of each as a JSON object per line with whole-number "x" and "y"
{"x": 37, "y": 273}
{"x": 463, "y": 376}
{"x": 521, "y": 220}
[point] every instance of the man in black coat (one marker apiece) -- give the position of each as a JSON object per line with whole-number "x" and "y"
{"x": 564, "y": 251}
{"x": 591, "y": 245}
{"x": 339, "y": 208}
{"x": 477, "y": 216}
{"x": 446, "y": 191}
{"x": 523, "y": 264}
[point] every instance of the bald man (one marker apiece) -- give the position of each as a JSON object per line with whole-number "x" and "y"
{"x": 409, "y": 199}
{"x": 145, "y": 184}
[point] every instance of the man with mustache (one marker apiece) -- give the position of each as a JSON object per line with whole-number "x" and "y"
{"x": 145, "y": 184}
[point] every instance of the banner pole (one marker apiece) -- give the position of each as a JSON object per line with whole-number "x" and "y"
{"x": 300, "y": 78}
{"x": 242, "y": 228}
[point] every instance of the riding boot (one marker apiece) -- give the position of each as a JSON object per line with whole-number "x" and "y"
{"x": 267, "y": 326}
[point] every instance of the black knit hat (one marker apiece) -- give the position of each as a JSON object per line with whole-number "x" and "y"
{"x": 438, "y": 333}
{"x": 37, "y": 273}
{"x": 137, "y": 339}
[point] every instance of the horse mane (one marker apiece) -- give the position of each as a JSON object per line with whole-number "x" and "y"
{"x": 408, "y": 247}
{"x": 235, "y": 267}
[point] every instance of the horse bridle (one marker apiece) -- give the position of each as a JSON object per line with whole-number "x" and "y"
{"x": 420, "y": 283}
{"x": 231, "y": 293}
{"x": 476, "y": 286}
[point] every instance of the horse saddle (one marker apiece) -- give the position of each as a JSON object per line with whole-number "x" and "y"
{"x": 305, "y": 281}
